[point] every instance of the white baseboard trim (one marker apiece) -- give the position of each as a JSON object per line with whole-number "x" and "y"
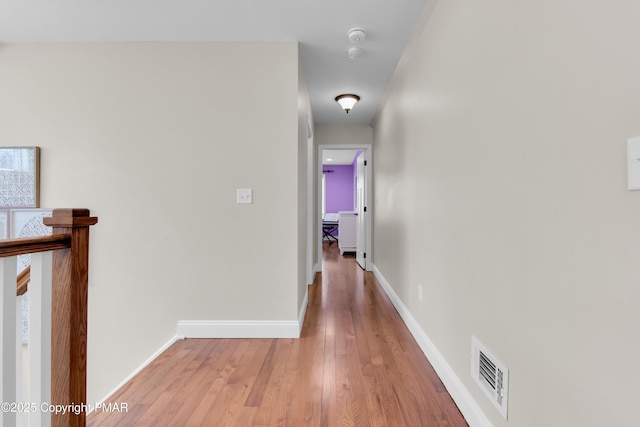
{"x": 140, "y": 368}
{"x": 316, "y": 269}
{"x": 303, "y": 310}
{"x": 468, "y": 406}
{"x": 238, "y": 329}
{"x": 225, "y": 329}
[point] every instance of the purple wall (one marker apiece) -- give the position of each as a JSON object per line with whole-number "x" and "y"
{"x": 339, "y": 188}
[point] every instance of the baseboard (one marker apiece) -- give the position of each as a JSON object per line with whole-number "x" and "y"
{"x": 303, "y": 310}
{"x": 153, "y": 357}
{"x": 238, "y": 329}
{"x": 468, "y": 406}
{"x": 224, "y": 329}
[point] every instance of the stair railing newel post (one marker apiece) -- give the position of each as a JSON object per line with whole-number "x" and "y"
{"x": 69, "y": 296}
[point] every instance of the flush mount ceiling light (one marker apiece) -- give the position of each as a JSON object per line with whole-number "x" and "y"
{"x": 357, "y": 35}
{"x": 347, "y": 101}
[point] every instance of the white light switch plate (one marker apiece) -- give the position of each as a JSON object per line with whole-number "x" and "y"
{"x": 245, "y": 196}
{"x": 633, "y": 163}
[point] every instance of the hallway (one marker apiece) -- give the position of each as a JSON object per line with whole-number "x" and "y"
{"x": 356, "y": 364}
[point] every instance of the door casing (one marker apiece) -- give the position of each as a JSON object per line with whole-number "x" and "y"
{"x": 368, "y": 195}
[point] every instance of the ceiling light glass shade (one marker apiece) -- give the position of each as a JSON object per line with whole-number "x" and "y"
{"x": 347, "y": 101}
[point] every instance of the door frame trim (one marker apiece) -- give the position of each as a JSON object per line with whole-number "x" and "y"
{"x": 368, "y": 152}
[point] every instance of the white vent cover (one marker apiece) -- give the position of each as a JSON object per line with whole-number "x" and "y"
{"x": 491, "y": 375}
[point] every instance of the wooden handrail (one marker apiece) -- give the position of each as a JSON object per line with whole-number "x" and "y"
{"x": 23, "y": 281}
{"x": 30, "y": 245}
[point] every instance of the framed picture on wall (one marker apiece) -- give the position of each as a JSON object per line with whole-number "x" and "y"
{"x": 19, "y": 177}
{"x": 21, "y": 223}
{"x": 4, "y": 224}
{"x": 27, "y": 223}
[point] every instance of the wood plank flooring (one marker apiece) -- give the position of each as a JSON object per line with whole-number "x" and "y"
{"x": 356, "y": 364}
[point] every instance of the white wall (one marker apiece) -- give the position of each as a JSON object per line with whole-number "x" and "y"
{"x": 154, "y": 139}
{"x": 500, "y": 186}
{"x": 343, "y": 134}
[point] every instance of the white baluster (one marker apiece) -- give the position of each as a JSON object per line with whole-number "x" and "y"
{"x": 40, "y": 337}
{"x": 8, "y": 328}
{"x": 19, "y": 365}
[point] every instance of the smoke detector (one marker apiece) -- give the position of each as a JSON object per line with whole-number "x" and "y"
{"x": 357, "y": 35}
{"x": 355, "y": 52}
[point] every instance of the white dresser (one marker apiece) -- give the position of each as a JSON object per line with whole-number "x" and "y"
{"x": 347, "y": 226}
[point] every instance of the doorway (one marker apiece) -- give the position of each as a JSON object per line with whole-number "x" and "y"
{"x": 353, "y": 164}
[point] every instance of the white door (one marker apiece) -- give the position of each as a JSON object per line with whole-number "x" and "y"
{"x": 362, "y": 211}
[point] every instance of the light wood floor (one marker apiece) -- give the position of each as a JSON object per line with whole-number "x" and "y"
{"x": 355, "y": 364}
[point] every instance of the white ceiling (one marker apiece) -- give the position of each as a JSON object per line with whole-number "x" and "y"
{"x": 320, "y": 26}
{"x": 338, "y": 157}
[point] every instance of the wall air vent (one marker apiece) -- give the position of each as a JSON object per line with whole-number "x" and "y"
{"x": 491, "y": 375}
